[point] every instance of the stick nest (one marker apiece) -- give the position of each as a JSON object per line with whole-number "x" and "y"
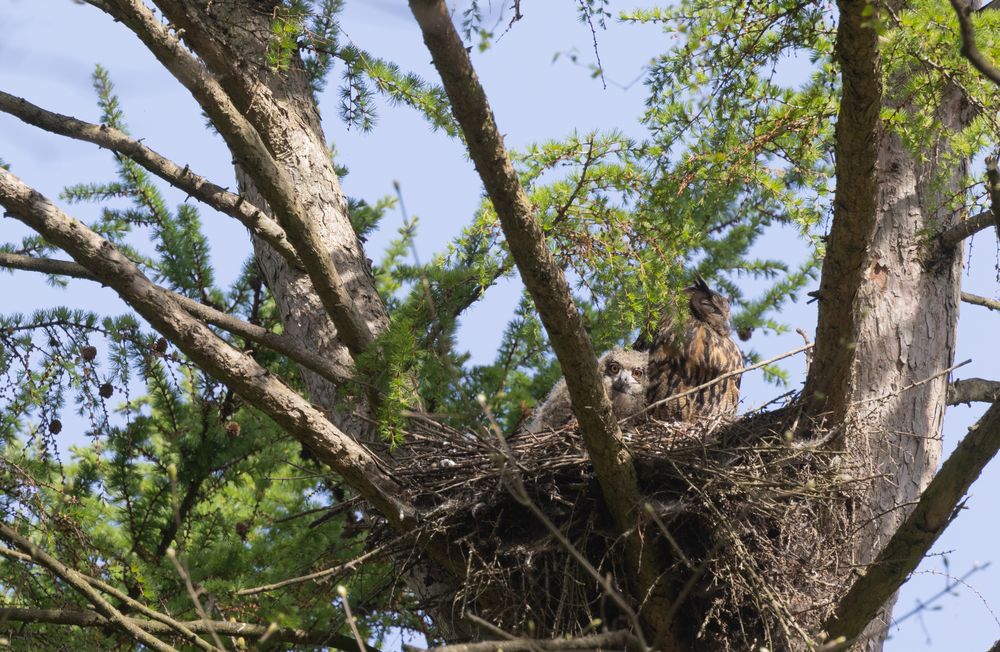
{"x": 756, "y": 526}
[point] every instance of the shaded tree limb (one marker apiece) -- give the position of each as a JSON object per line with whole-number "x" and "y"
{"x": 969, "y": 48}
{"x": 253, "y": 155}
{"x": 276, "y": 342}
{"x": 256, "y": 385}
{"x": 177, "y": 626}
{"x": 547, "y": 285}
{"x": 970, "y": 390}
{"x": 609, "y": 640}
{"x": 975, "y": 299}
{"x": 938, "y": 506}
{"x": 184, "y": 179}
{"x": 83, "y": 618}
{"x": 105, "y": 610}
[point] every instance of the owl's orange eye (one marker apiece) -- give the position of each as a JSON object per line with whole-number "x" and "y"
{"x": 637, "y": 373}
{"x": 614, "y": 367}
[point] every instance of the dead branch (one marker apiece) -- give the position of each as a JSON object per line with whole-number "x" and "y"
{"x": 548, "y": 288}
{"x": 287, "y": 346}
{"x": 970, "y": 390}
{"x": 195, "y": 185}
{"x": 969, "y": 49}
{"x": 83, "y": 618}
{"x": 253, "y": 155}
{"x": 939, "y": 504}
{"x": 326, "y": 572}
{"x": 105, "y": 610}
{"x": 977, "y": 300}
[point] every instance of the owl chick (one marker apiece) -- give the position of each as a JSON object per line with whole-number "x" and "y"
{"x": 686, "y": 355}
{"x": 624, "y": 374}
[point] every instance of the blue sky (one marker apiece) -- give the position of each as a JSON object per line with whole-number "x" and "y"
{"x": 48, "y": 51}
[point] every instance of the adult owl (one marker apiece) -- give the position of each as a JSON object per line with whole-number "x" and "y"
{"x": 623, "y": 372}
{"x": 688, "y": 353}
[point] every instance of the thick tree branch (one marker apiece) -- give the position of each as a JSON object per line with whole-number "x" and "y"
{"x": 975, "y": 299}
{"x": 951, "y": 236}
{"x": 939, "y": 504}
{"x": 259, "y": 388}
{"x": 547, "y": 285}
{"x": 77, "y": 581}
{"x": 973, "y": 390}
{"x": 183, "y": 178}
{"x": 276, "y": 342}
{"x": 253, "y": 155}
{"x": 858, "y": 136}
{"x": 608, "y": 641}
{"x": 969, "y": 49}
{"x": 81, "y": 618}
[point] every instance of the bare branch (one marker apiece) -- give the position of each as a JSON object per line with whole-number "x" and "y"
{"x": 551, "y": 293}
{"x": 969, "y": 49}
{"x": 607, "y": 641}
{"x": 318, "y": 575}
{"x": 105, "y": 609}
{"x": 252, "y": 154}
{"x": 197, "y": 186}
{"x": 975, "y": 299}
{"x": 971, "y": 390}
{"x": 259, "y": 388}
{"x": 280, "y": 343}
{"x": 939, "y": 504}
{"x": 82, "y": 618}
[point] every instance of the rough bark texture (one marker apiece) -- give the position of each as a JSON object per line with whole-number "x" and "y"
{"x": 888, "y": 310}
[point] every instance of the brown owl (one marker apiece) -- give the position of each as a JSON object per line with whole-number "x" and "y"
{"x": 624, "y": 374}
{"x": 693, "y": 352}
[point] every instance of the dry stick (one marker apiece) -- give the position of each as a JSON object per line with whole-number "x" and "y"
{"x": 189, "y": 587}
{"x": 176, "y": 625}
{"x": 730, "y": 374}
{"x": 342, "y": 591}
{"x": 516, "y": 488}
{"x": 918, "y": 383}
{"x": 84, "y": 618}
{"x": 253, "y": 155}
{"x": 977, "y": 300}
{"x": 182, "y": 178}
{"x": 548, "y": 287}
{"x": 280, "y": 343}
{"x": 939, "y": 504}
{"x": 77, "y": 581}
{"x": 314, "y": 576}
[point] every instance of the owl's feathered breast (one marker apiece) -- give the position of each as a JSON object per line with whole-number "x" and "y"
{"x": 684, "y": 358}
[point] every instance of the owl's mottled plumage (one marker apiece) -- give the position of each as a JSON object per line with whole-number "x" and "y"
{"x": 624, "y": 374}
{"x": 686, "y": 355}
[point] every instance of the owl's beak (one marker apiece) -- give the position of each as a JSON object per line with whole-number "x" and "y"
{"x": 620, "y": 383}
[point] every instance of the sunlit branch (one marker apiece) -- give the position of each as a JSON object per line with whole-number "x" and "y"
{"x": 253, "y": 155}
{"x": 181, "y": 177}
{"x": 977, "y": 300}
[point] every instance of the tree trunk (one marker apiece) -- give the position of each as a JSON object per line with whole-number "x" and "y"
{"x": 889, "y": 297}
